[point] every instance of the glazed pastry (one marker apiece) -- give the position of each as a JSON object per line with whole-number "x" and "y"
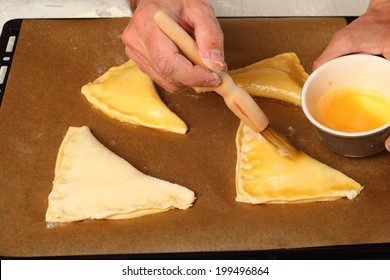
{"x": 280, "y": 77}
{"x": 129, "y": 95}
{"x": 263, "y": 175}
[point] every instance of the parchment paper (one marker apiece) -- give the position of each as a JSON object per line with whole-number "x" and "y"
{"x": 54, "y": 58}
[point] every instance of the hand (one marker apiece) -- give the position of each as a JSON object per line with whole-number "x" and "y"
{"x": 370, "y": 33}
{"x": 157, "y": 55}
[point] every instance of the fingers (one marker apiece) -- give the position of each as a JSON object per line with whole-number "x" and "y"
{"x": 157, "y": 56}
{"x": 387, "y": 144}
{"x": 168, "y": 84}
{"x": 339, "y": 45}
{"x": 370, "y": 33}
{"x": 167, "y": 67}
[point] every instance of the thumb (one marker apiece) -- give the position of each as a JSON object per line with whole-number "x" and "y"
{"x": 339, "y": 45}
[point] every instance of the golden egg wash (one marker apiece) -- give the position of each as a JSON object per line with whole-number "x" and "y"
{"x": 353, "y": 109}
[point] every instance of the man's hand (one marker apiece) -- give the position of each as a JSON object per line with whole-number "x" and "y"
{"x": 157, "y": 55}
{"x": 370, "y": 33}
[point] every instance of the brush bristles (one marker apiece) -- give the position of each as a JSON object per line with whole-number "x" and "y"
{"x": 280, "y": 142}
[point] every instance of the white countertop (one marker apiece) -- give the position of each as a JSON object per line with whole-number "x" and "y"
{"x": 11, "y": 9}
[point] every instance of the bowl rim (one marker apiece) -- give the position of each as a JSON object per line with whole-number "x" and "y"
{"x": 316, "y": 123}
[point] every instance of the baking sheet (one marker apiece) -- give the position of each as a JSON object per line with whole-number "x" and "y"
{"x": 54, "y": 58}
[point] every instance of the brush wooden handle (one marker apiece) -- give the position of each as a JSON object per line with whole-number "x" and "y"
{"x": 236, "y": 98}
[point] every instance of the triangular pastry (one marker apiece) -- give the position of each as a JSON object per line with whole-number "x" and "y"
{"x": 91, "y": 182}
{"x": 263, "y": 175}
{"x": 126, "y": 93}
{"x": 279, "y": 77}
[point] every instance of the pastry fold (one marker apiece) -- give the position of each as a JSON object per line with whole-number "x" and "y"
{"x": 263, "y": 175}
{"x": 280, "y": 77}
{"x": 91, "y": 182}
{"x": 127, "y": 94}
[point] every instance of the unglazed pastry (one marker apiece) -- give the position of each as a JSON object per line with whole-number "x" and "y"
{"x": 263, "y": 175}
{"x": 280, "y": 77}
{"x": 91, "y": 182}
{"x": 129, "y": 95}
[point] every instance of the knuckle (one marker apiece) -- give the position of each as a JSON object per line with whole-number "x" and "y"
{"x": 170, "y": 85}
{"x": 213, "y": 32}
{"x": 128, "y": 35}
{"x": 200, "y": 5}
{"x": 163, "y": 66}
{"x": 165, "y": 71}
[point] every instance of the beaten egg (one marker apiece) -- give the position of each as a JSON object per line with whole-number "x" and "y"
{"x": 353, "y": 109}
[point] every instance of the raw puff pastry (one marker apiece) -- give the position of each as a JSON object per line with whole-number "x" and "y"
{"x": 279, "y": 77}
{"x": 91, "y": 182}
{"x": 263, "y": 175}
{"x": 129, "y": 95}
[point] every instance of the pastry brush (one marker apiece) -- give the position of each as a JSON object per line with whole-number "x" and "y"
{"x": 235, "y": 97}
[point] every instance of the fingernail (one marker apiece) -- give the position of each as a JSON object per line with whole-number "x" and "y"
{"x": 215, "y": 60}
{"x": 216, "y": 55}
{"x": 216, "y": 81}
{"x": 212, "y": 82}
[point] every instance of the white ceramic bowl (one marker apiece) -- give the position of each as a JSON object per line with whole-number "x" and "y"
{"x": 358, "y": 71}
